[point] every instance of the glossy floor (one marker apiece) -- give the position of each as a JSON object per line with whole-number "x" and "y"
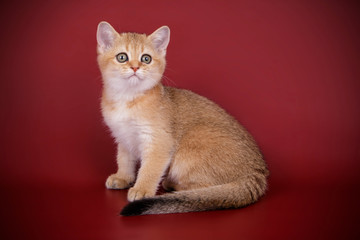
{"x": 92, "y": 213}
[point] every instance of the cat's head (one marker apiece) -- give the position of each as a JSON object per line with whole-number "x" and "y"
{"x": 131, "y": 63}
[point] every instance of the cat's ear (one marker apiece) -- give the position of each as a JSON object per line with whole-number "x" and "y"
{"x": 160, "y": 39}
{"x": 105, "y": 36}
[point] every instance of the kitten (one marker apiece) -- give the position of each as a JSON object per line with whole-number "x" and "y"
{"x": 200, "y": 152}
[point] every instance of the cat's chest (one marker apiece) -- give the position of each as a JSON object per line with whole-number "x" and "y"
{"x": 127, "y": 127}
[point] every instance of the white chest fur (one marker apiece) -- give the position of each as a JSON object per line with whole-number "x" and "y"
{"x": 127, "y": 127}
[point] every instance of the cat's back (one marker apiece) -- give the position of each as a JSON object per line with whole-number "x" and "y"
{"x": 191, "y": 109}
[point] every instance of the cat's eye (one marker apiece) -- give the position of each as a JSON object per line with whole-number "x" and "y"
{"x": 122, "y": 57}
{"x": 146, "y": 58}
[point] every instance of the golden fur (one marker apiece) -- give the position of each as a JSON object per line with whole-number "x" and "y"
{"x": 189, "y": 142}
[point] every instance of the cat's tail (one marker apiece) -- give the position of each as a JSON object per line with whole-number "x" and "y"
{"x": 231, "y": 195}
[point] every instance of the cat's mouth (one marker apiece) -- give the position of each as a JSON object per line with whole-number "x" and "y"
{"x": 134, "y": 76}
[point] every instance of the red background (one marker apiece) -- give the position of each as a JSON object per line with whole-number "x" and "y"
{"x": 288, "y": 70}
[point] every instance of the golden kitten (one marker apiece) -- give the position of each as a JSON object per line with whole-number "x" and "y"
{"x": 193, "y": 145}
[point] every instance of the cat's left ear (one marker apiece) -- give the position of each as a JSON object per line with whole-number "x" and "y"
{"x": 160, "y": 39}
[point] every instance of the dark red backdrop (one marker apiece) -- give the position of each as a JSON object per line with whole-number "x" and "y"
{"x": 288, "y": 70}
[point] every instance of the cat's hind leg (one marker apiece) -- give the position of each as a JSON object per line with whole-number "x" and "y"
{"x": 206, "y": 156}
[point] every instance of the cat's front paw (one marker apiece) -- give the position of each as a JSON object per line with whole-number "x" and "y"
{"x": 115, "y": 182}
{"x": 137, "y": 194}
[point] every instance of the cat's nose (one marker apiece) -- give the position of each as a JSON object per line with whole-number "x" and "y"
{"x": 134, "y": 68}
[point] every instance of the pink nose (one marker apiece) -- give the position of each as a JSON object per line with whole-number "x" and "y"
{"x": 135, "y": 68}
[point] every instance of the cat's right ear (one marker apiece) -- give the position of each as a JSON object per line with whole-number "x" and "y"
{"x": 105, "y": 36}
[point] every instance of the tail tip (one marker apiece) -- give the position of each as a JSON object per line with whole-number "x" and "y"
{"x": 138, "y": 207}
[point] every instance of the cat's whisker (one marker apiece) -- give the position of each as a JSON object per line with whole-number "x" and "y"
{"x": 168, "y": 80}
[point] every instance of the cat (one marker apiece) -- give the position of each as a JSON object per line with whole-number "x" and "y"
{"x": 181, "y": 139}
